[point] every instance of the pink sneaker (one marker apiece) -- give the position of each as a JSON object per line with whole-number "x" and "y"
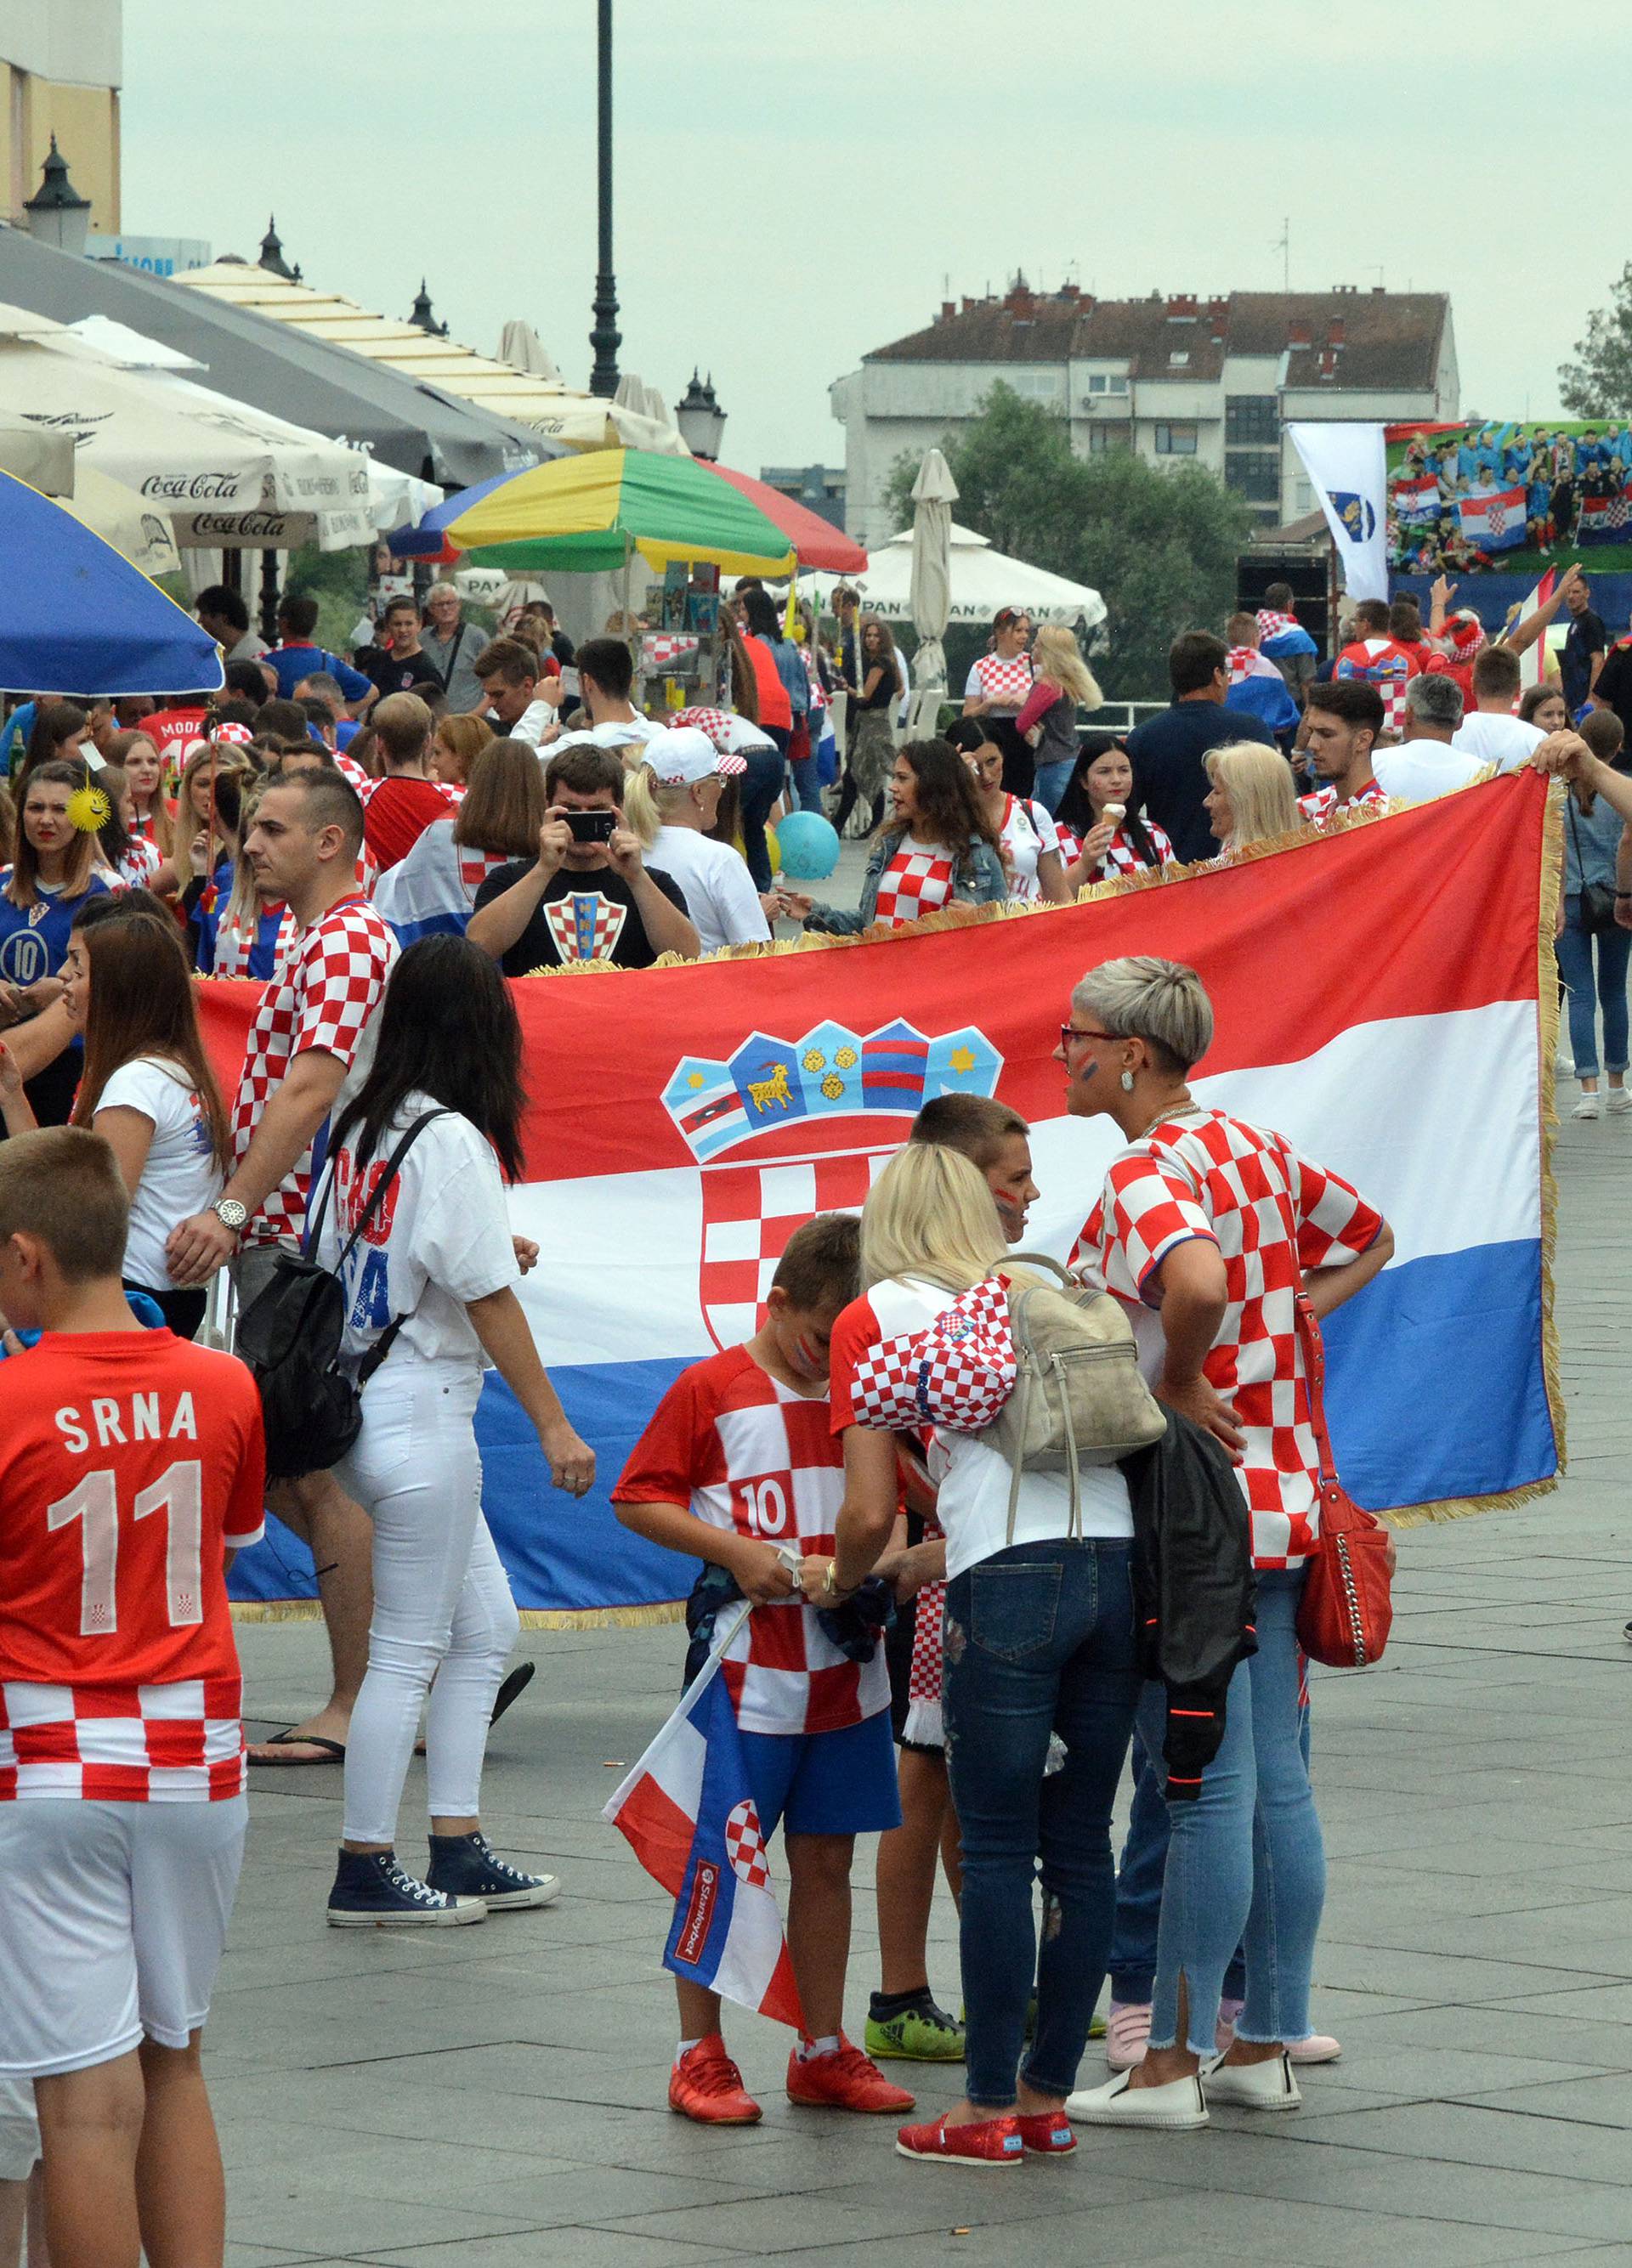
{"x": 1224, "y": 2036}
{"x": 1128, "y": 2034}
{"x": 1319, "y": 2047}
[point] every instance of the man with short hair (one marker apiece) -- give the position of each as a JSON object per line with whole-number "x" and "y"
{"x": 1169, "y": 776}
{"x": 1405, "y": 626}
{"x": 589, "y": 895}
{"x": 295, "y": 657}
{"x": 1341, "y": 723}
{"x": 308, "y": 1031}
{"x": 1256, "y": 688}
{"x": 1586, "y": 642}
{"x": 1375, "y": 658}
{"x": 1282, "y": 639}
{"x": 399, "y": 806}
{"x": 1492, "y": 734}
{"x": 454, "y": 646}
{"x": 402, "y": 663}
{"x": 1425, "y": 764}
{"x": 518, "y": 702}
{"x": 606, "y": 674}
{"x": 224, "y": 616}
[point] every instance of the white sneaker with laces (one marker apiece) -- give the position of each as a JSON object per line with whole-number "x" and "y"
{"x": 1619, "y": 1100}
{"x": 1252, "y": 2086}
{"x": 1591, "y": 1106}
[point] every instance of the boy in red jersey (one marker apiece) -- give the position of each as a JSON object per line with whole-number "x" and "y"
{"x": 130, "y": 1469}
{"x": 734, "y": 1467}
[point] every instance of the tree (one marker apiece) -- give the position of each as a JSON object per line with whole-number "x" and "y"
{"x": 1160, "y": 547}
{"x": 1598, "y": 382}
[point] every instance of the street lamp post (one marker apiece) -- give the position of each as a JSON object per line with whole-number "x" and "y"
{"x": 701, "y": 420}
{"x": 57, "y": 214}
{"x": 606, "y": 338}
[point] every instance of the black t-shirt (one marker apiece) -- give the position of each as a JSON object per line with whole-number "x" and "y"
{"x": 1586, "y": 636}
{"x": 1615, "y": 682}
{"x": 401, "y": 673}
{"x": 1170, "y": 778}
{"x": 582, "y": 917}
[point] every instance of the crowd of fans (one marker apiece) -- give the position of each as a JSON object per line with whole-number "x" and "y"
{"x": 376, "y": 841}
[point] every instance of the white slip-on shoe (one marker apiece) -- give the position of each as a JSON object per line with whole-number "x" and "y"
{"x": 1591, "y": 1106}
{"x": 1618, "y": 1099}
{"x": 1180, "y": 2104}
{"x": 1268, "y": 2086}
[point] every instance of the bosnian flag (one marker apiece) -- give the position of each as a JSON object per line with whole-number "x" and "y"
{"x": 432, "y": 890}
{"x": 1417, "y": 503}
{"x": 687, "y": 1813}
{"x": 1377, "y": 997}
{"x": 1495, "y": 522}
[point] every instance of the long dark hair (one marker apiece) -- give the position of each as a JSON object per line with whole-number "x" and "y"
{"x": 1076, "y": 808}
{"x": 448, "y": 1029}
{"x": 949, "y": 810}
{"x": 760, "y": 614}
{"x": 141, "y": 1003}
{"x": 54, "y": 722}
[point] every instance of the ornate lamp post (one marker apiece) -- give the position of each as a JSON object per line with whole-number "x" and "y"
{"x": 701, "y": 421}
{"x": 58, "y": 214}
{"x": 606, "y": 338}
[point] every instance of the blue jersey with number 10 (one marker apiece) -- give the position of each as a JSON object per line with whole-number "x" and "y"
{"x": 34, "y": 939}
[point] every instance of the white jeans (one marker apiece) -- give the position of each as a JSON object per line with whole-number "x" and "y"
{"x": 442, "y": 1603}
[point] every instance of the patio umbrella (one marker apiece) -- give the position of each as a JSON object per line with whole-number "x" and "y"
{"x": 76, "y": 618}
{"x": 589, "y": 514}
{"x": 119, "y": 516}
{"x": 935, "y": 492}
{"x": 982, "y": 580}
{"x": 817, "y": 542}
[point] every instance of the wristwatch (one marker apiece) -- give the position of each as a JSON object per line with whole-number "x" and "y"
{"x": 231, "y": 1213}
{"x": 829, "y": 1582}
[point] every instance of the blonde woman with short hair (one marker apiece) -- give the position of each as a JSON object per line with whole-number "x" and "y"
{"x": 1040, "y": 1634}
{"x": 1062, "y": 683}
{"x": 1252, "y": 798}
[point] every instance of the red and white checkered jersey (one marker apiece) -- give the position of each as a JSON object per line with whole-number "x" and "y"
{"x": 1005, "y": 684}
{"x": 129, "y": 1462}
{"x": 1271, "y": 623}
{"x": 1273, "y": 1216}
{"x": 1388, "y": 666}
{"x": 350, "y": 770}
{"x": 327, "y": 985}
{"x": 1321, "y": 805}
{"x": 1026, "y": 834}
{"x": 142, "y": 860}
{"x": 743, "y": 1451}
{"x": 917, "y": 880}
{"x": 1121, "y": 854}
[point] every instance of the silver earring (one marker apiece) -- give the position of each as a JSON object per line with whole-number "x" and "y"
{"x": 1127, "y": 1082}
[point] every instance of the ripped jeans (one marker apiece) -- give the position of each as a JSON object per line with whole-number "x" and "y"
{"x": 1040, "y": 1638}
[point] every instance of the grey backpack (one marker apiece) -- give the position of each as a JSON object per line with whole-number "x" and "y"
{"x": 1078, "y": 1398}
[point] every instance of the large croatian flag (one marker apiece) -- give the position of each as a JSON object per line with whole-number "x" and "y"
{"x": 1380, "y": 996}
{"x": 687, "y": 1813}
{"x": 1495, "y": 520}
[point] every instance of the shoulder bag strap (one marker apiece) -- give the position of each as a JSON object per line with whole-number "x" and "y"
{"x": 1040, "y": 1260}
{"x": 453, "y": 656}
{"x": 386, "y": 1180}
{"x": 1315, "y": 1379}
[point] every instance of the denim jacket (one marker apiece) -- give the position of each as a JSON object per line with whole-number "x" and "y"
{"x": 791, "y": 669}
{"x": 980, "y": 879}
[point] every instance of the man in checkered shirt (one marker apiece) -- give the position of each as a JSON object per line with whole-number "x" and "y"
{"x": 1341, "y": 723}
{"x": 310, "y": 1031}
{"x": 131, "y": 1471}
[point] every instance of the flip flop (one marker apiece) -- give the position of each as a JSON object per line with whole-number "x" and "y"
{"x": 516, "y": 1684}
{"x": 332, "y": 1751}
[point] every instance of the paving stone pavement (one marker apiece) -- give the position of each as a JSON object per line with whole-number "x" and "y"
{"x": 494, "y": 2096}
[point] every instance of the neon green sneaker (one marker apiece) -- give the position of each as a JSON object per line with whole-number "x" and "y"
{"x": 922, "y": 2033}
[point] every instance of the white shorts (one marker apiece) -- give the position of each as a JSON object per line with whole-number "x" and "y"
{"x": 112, "y": 1925}
{"x": 19, "y": 2131}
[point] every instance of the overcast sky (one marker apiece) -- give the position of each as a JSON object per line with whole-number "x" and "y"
{"x": 794, "y": 185}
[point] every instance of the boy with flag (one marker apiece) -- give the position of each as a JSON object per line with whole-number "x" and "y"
{"x": 740, "y": 1467}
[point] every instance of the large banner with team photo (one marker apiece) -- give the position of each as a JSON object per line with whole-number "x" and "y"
{"x": 1385, "y": 995}
{"x": 1509, "y": 498}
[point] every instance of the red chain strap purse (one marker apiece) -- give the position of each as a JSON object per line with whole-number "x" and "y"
{"x": 1347, "y": 1606}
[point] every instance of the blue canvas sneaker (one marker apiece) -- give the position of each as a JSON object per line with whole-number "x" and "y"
{"x": 466, "y": 1867}
{"x": 374, "y": 1891}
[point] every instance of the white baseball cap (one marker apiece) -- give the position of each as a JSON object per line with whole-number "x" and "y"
{"x": 684, "y": 755}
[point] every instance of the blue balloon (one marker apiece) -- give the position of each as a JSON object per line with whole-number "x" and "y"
{"x": 809, "y": 846}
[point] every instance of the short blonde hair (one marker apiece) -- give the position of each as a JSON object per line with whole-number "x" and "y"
{"x": 1160, "y": 1002}
{"x": 1257, "y": 780}
{"x": 931, "y": 1213}
{"x": 1056, "y": 656}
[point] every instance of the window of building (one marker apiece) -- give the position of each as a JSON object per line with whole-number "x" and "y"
{"x": 1254, "y": 473}
{"x": 1177, "y": 360}
{"x": 1037, "y": 385}
{"x": 1251, "y": 421}
{"x": 1175, "y": 440}
{"x": 1101, "y": 382}
{"x": 1114, "y": 435}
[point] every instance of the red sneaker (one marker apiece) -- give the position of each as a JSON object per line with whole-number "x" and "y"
{"x": 845, "y": 2080}
{"x": 1046, "y": 2133}
{"x": 706, "y": 2084}
{"x": 986, "y": 2142}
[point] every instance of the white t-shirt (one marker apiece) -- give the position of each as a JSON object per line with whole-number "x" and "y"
{"x": 1028, "y": 832}
{"x": 716, "y": 885}
{"x": 1418, "y": 770}
{"x": 180, "y": 1177}
{"x": 440, "y": 1237}
{"x": 1504, "y": 742}
{"x": 973, "y": 1481}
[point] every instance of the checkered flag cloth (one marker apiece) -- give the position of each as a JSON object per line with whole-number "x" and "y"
{"x": 957, "y": 1373}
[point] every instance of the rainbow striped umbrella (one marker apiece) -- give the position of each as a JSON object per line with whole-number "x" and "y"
{"x": 588, "y": 514}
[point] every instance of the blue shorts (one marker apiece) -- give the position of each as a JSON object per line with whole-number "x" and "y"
{"x": 841, "y": 1783}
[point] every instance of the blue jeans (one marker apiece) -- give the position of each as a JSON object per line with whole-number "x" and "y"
{"x": 1575, "y": 948}
{"x": 1139, "y": 1891}
{"x": 761, "y": 784}
{"x": 1053, "y": 779}
{"x": 1246, "y": 1865}
{"x": 1040, "y": 1638}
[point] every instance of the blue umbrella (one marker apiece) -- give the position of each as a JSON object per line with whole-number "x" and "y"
{"x": 77, "y": 617}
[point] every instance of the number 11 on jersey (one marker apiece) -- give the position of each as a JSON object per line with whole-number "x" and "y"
{"x": 93, "y": 1502}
